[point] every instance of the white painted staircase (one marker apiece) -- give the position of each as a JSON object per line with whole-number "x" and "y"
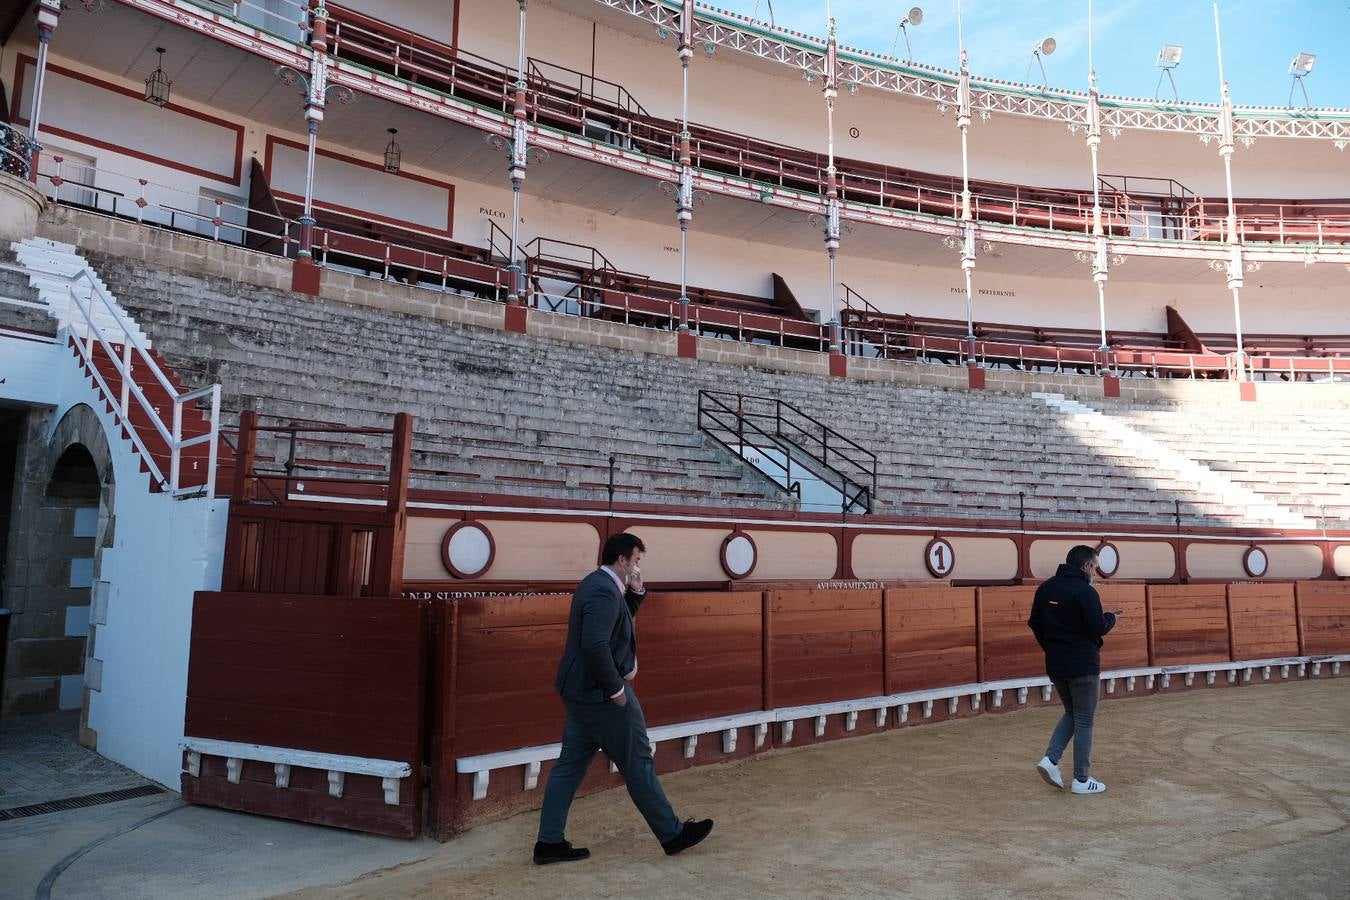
{"x": 51, "y": 267}
{"x": 1259, "y": 509}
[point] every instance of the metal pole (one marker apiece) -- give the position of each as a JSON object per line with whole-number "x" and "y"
{"x": 831, "y": 92}
{"x": 967, "y": 215}
{"x": 1235, "y": 264}
{"x": 519, "y": 151}
{"x": 48, "y": 12}
{"x": 684, "y": 202}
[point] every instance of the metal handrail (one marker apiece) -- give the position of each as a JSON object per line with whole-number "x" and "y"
{"x": 788, "y": 486}
{"x": 122, "y": 361}
{"x": 862, "y": 495}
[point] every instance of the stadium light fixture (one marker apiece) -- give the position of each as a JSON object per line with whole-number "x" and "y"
{"x": 393, "y": 154}
{"x": 1169, "y": 57}
{"x": 915, "y": 17}
{"x": 157, "y": 84}
{"x": 1042, "y": 49}
{"x": 1299, "y": 69}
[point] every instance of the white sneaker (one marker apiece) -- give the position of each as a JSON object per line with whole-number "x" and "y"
{"x": 1049, "y": 773}
{"x": 1091, "y": 786}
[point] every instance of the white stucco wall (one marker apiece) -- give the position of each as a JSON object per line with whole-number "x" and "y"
{"x": 163, "y": 551}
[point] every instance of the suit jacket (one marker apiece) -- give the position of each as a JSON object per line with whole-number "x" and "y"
{"x": 601, "y": 646}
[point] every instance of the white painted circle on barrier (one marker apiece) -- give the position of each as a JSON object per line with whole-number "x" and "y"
{"x": 939, "y": 557}
{"x": 739, "y": 556}
{"x": 1255, "y": 562}
{"x": 1108, "y": 560}
{"x": 468, "y": 550}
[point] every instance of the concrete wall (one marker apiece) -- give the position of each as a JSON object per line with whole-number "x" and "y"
{"x": 118, "y": 583}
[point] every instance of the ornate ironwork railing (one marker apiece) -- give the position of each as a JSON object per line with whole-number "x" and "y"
{"x": 16, "y": 152}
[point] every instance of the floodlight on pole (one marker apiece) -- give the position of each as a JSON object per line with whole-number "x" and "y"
{"x": 1299, "y": 69}
{"x": 1169, "y": 57}
{"x": 915, "y": 17}
{"x": 1042, "y": 49}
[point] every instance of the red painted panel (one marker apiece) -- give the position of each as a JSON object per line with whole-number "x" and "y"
{"x": 929, "y": 637}
{"x": 1264, "y": 621}
{"x": 1189, "y": 623}
{"x": 339, "y": 675}
{"x": 826, "y": 645}
{"x": 1126, "y": 647}
{"x": 1324, "y": 616}
{"x": 1009, "y": 649}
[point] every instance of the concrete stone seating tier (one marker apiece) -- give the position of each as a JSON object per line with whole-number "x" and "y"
{"x": 506, "y": 414}
{"x": 1299, "y": 457}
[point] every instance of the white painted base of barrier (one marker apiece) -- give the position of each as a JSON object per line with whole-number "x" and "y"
{"x": 390, "y": 772}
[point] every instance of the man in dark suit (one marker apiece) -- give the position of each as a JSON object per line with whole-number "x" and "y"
{"x": 1067, "y": 619}
{"x": 595, "y": 681}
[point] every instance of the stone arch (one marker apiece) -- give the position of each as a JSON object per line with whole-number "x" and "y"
{"x": 63, "y": 521}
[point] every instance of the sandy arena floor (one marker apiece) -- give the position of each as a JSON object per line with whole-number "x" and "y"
{"x": 1234, "y": 792}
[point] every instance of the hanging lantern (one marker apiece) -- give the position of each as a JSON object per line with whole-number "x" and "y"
{"x": 392, "y": 154}
{"x": 157, "y": 84}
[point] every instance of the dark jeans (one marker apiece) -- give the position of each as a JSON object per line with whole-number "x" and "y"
{"x": 1079, "y": 696}
{"x": 620, "y": 731}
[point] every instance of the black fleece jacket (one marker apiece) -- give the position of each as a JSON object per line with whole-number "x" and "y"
{"x": 1068, "y": 622}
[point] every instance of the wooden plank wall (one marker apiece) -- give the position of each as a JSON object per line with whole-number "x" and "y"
{"x": 824, "y": 645}
{"x": 340, "y": 675}
{"x": 1126, "y": 647}
{"x": 509, "y": 649}
{"x": 1263, "y": 620}
{"x": 930, "y": 638}
{"x": 1324, "y": 616}
{"x": 1189, "y": 623}
{"x": 700, "y": 655}
{"x": 1008, "y": 648}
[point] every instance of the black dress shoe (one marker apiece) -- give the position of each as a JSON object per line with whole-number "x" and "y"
{"x": 692, "y": 833}
{"x": 563, "y": 851}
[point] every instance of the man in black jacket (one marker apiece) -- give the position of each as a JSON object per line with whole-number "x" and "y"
{"x": 1068, "y": 622}
{"x": 595, "y": 678}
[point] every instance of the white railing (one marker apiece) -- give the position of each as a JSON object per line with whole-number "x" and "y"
{"x": 119, "y": 350}
{"x": 172, "y": 434}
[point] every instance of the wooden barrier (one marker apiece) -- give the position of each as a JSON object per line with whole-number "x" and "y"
{"x": 825, "y": 645}
{"x": 1324, "y": 616}
{"x": 930, "y": 638}
{"x": 1263, "y": 620}
{"x": 319, "y": 680}
{"x": 1008, "y": 649}
{"x": 1126, "y": 647}
{"x": 508, "y": 650}
{"x": 1188, "y": 623}
{"x": 700, "y": 655}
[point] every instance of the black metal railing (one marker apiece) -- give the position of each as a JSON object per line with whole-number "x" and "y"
{"x": 850, "y": 468}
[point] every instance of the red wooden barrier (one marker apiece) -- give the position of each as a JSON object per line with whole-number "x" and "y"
{"x": 700, "y": 655}
{"x": 508, "y": 652}
{"x": 1126, "y": 647}
{"x": 338, "y": 675}
{"x": 1324, "y": 616}
{"x": 930, "y": 638}
{"x": 1263, "y": 620}
{"x": 1008, "y": 649}
{"x": 1189, "y": 623}
{"x": 825, "y": 645}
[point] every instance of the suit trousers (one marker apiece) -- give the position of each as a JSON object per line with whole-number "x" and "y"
{"x": 621, "y": 732}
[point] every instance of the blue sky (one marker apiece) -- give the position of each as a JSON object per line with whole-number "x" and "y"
{"x": 1260, "y": 38}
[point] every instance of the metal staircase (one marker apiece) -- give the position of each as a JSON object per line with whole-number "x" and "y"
{"x": 805, "y": 458}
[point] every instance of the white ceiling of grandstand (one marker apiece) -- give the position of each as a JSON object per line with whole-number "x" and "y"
{"x": 123, "y": 41}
